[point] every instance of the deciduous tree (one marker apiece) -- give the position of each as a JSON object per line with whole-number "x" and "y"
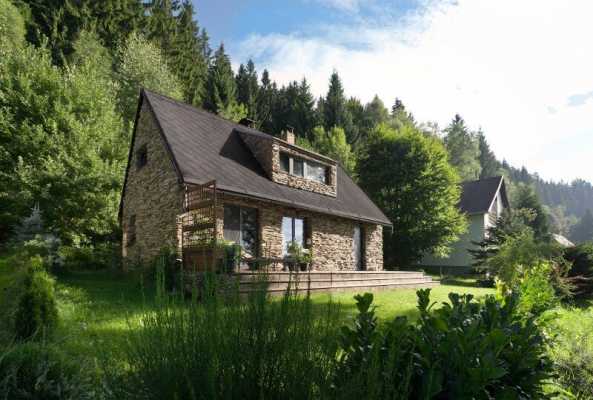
{"x": 408, "y": 176}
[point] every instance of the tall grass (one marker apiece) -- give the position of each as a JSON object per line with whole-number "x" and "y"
{"x": 214, "y": 346}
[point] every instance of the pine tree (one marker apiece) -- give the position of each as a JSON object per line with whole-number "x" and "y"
{"x": 583, "y": 230}
{"x": 221, "y": 89}
{"x": 488, "y": 162}
{"x": 463, "y": 148}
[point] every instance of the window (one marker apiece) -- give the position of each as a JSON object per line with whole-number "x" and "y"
{"x": 131, "y": 237}
{"x": 293, "y": 230}
{"x": 298, "y": 167}
{"x": 141, "y": 157}
{"x": 316, "y": 172}
{"x": 240, "y": 226}
{"x": 284, "y": 162}
{"x": 306, "y": 168}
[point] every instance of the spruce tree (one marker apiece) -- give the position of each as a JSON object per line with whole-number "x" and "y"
{"x": 463, "y": 148}
{"x": 400, "y": 116}
{"x": 526, "y": 199}
{"x": 583, "y": 230}
{"x": 265, "y": 102}
{"x": 188, "y": 55}
{"x": 334, "y": 105}
{"x": 221, "y": 89}
{"x": 247, "y": 88}
{"x": 488, "y": 162}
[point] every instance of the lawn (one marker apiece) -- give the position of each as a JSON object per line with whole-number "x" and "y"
{"x": 97, "y": 308}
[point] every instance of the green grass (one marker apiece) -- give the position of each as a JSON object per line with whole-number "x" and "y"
{"x": 402, "y": 302}
{"x": 97, "y": 308}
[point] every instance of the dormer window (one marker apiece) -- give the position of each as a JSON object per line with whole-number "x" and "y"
{"x": 304, "y": 168}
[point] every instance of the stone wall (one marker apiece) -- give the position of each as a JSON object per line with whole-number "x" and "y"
{"x": 152, "y": 194}
{"x": 331, "y": 237}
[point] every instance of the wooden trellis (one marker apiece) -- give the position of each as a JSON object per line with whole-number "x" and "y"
{"x": 199, "y": 226}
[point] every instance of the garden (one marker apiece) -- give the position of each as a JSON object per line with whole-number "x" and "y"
{"x": 76, "y": 330}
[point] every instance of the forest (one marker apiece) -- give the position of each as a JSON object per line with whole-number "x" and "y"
{"x": 71, "y": 72}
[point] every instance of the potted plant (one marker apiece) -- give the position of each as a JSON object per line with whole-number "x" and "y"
{"x": 298, "y": 257}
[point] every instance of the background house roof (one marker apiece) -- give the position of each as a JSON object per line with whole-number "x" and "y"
{"x": 477, "y": 196}
{"x": 205, "y": 146}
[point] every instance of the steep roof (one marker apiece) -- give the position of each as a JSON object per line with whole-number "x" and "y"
{"x": 205, "y": 146}
{"x": 477, "y": 196}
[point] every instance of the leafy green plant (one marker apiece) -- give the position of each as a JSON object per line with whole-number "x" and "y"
{"x": 536, "y": 289}
{"x": 36, "y": 312}
{"x": 40, "y": 371}
{"x": 299, "y": 255}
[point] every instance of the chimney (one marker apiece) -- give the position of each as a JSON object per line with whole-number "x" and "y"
{"x": 288, "y": 134}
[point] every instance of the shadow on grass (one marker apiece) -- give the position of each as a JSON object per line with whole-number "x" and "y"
{"x": 460, "y": 282}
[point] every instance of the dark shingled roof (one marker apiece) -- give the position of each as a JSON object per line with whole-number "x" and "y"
{"x": 477, "y": 196}
{"x": 205, "y": 146}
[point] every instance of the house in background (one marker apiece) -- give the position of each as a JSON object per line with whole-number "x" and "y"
{"x": 483, "y": 202}
{"x": 269, "y": 192}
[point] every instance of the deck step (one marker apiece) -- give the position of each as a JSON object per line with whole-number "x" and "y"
{"x": 277, "y": 282}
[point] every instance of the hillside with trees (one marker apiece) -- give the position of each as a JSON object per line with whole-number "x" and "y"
{"x": 67, "y": 115}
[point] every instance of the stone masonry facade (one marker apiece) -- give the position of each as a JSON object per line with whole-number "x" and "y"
{"x": 331, "y": 237}
{"x": 153, "y": 198}
{"x": 267, "y": 151}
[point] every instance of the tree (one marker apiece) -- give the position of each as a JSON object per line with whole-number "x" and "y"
{"x": 408, "y": 176}
{"x": 188, "y": 55}
{"x": 332, "y": 144}
{"x": 400, "y": 116}
{"x": 61, "y": 21}
{"x": 489, "y": 165}
{"x": 221, "y": 89}
{"x": 247, "y": 88}
{"x": 141, "y": 64}
{"x": 12, "y": 26}
{"x": 334, "y": 104}
{"x": 294, "y": 106}
{"x": 526, "y": 199}
{"x": 265, "y": 102}
{"x": 463, "y": 148}
{"x": 66, "y": 150}
{"x": 583, "y": 230}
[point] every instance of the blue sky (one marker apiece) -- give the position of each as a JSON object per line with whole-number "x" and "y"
{"x": 518, "y": 70}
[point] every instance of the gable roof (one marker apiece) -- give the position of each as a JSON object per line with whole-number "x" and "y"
{"x": 204, "y": 146}
{"x": 477, "y": 196}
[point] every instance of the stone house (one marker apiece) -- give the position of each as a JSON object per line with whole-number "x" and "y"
{"x": 483, "y": 202}
{"x": 270, "y": 192}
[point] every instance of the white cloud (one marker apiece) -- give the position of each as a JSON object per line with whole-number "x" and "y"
{"x": 510, "y": 67}
{"x": 342, "y": 5}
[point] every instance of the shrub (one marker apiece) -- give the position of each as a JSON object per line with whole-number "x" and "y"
{"x": 36, "y": 310}
{"x": 95, "y": 257}
{"x": 465, "y": 349}
{"x": 571, "y": 350}
{"x": 580, "y": 274}
{"x": 40, "y": 371}
{"x": 537, "y": 293}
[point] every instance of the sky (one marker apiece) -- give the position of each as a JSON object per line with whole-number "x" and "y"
{"x": 519, "y": 70}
